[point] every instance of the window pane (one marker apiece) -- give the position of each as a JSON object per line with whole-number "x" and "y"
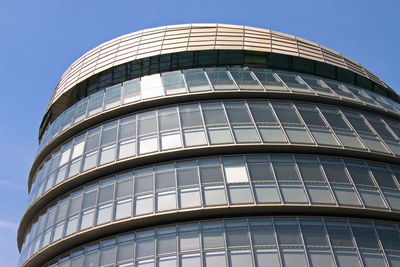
{"x": 260, "y": 171}
{"x": 166, "y": 244}
{"x": 189, "y": 198}
{"x": 104, "y": 214}
{"x": 197, "y": 81}
{"x": 170, "y": 140}
{"x": 148, "y": 144}
{"x": 293, "y": 193}
{"x": 190, "y": 116}
{"x": 245, "y": 134}
{"x": 194, "y": 137}
{"x": 123, "y": 209}
{"x": 272, "y": 134}
{"x": 287, "y": 232}
{"x": 346, "y": 196}
{"x": 320, "y": 258}
{"x": 190, "y": 261}
{"x": 267, "y": 258}
{"x": 345, "y": 259}
{"x": 293, "y": 258}
{"x": 215, "y": 259}
{"x": 219, "y": 135}
{"x": 240, "y": 194}
{"x": 168, "y": 119}
{"x": 372, "y": 260}
{"x": 266, "y": 194}
{"x": 144, "y": 247}
{"x": 166, "y": 201}
{"x": 298, "y": 135}
{"x": 214, "y": 195}
{"x": 87, "y": 219}
{"x": 236, "y": 173}
{"x": 144, "y": 204}
{"x": 319, "y": 194}
{"x": 127, "y": 149}
{"x": 151, "y": 86}
{"x": 211, "y": 174}
{"x": 371, "y": 199}
{"x": 240, "y": 258}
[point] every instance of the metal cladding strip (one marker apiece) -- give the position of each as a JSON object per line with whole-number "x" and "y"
{"x": 187, "y": 153}
{"x": 195, "y": 37}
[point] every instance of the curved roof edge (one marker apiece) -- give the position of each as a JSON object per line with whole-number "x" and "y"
{"x": 194, "y": 37}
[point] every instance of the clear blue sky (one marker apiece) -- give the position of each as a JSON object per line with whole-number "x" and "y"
{"x": 39, "y": 39}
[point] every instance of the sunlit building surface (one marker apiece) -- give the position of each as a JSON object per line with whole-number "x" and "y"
{"x": 215, "y": 145}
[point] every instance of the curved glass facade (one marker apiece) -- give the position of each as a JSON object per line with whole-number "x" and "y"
{"x": 251, "y": 180}
{"x": 275, "y": 161}
{"x": 291, "y": 242}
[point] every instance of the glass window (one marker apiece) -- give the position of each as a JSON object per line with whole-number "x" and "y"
{"x": 127, "y": 128}
{"x": 266, "y": 257}
{"x": 148, "y": 144}
{"x": 245, "y": 134}
{"x": 107, "y": 154}
{"x": 151, "y": 86}
{"x": 123, "y": 209}
{"x": 313, "y": 233}
{"x": 309, "y": 169}
{"x": 187, "y": 173}
{"x": 214, "y": 114}
{"x": 237, "y": 237}
{"x": 349, "y": 139}
{"x": 166, "y": 244}
{"x": 144, "y": 247}
{"x": 364, "y": 235}
{"x": 72, "y": 224}
{"x": 212, "y": 236}
{"x": 170, "y": 140}
{"x": 219, "y": 135}
{"x": 339, "y": 234}
{"x": 266, "y": 193}
{"x": 190, "y": 260}
{"x": 245, "y": 79}
{"x": 173, "y": 82}
{"x": 89, "y": 199}
{"x": 220, "y": 79}
{"x": 168, "y": 119}
{"x": 109, "y": 134}
{"x": 104, "y": 214}
{"x": 144, "y": 204}
{"x": 292, "y": 193}
{"x": 372, "y": 259}
{"x": 236, "y": 173}
{"x": 262, "y": 112}
{"x": 106, "y": 193}
{"x": 131, "y": 91}
{"x": 298, "y": 135}
{"x": 346, "y": 196}
{"x": 262, "y": 233}
{"x": 269, "y": 80}
{"x": 319, "y": 194}
{"x": 75, "y": 167}
{"x": 237, "y": 112}
{"x": 165, "y": 177}
{"x": 272, "y": 134}
{"x": 107, "y": 256}
{"x": 194, "y": 137}
{"x": 167, "y": 262}
{"x": 196, "y": 80}
{"x": 345, "y": 258}
{"x": 287, "y": 232}
{"x": 90, "y": 161}
{"x": 284, "y": 168}
{"x": 189, "y": 238}
{"x": 240, "y": 194}
{"x": 210, "y": 173}
{"x": 360, "y": 174}
{"x": 293, "y": 258}
{"x": 166, "y": 201}
{"x": 388, "y": 235}
{"x": 144, "y": 181}
{"x": 189, "y": 198}
{"x": 320, "y": 258}
{"x": 190, "y": 116}
{"x": 334, "y": 171}
{"x": 240, "y": 258}
{"x": 286, "y": 113}
{"x": 212, "y": 259}
{"x": 335, "y": 119}
{"x": 323, "y": 136}
{"x": 371, "y": 199}
{"x": 310, "y": 115}
{"x": 383, "y": 177}
{"x": 127, "y": 149}
{"x": 214, "y": 195}
{"x": 260, "y": 171}
{"x": 124, "y": 251}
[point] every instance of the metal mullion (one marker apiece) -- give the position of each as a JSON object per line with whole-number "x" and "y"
{"x": 137, "y": 147}
{"x": 331, "y": 249}
{"x": 280, "y": 79}
{"x": 309, "y": 87}
{"x": 233, "y": 80}
{"x": 302, "y": 241}
{"x": 377, "y": 186}
{"x": 225, "y": 243}
{"x": 155, "y": 193}
{"x": 229, "y": 124}
{"x": 185, "y": 83}
{"x": 276, "y": 181}
{"x": 279, "y": 121}
{"x": 252, "y": 252}
{"x": 396, "y": 182}
{"x": 301, "y": 179}
{"x": 202, "y": 202}
{"x": 354, "y": 242}
{"x": 250, "y": 182}
{"x": 204, "y": 123}
{"x": 224, "y": 181}
{"x": 253, "y": 121}
{"x": 327, "y": 125}
{"x": 208, "y": 79}
{"x": 353, "y": 130}
{"x": 352, "y": 183}
{"x": 256, "y": 78}
{"x": 180, "y": 129}
{"x": 380, "y": 244}
{"x": 327, "y": 181}
{"x": 377, "y": 134}
{"x": 304, "y": 124}
{"x": 278, "y": 249}
{"x": 177, "y": 190}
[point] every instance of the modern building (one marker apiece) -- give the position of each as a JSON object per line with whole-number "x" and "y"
{"x": 215, "y": 145}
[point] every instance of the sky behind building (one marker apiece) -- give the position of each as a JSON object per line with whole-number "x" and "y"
{"x": 40, "y": 39}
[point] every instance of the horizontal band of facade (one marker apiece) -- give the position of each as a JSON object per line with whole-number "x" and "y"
{"x": 123, "y": 226}
{"x": 123, "y": 165}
